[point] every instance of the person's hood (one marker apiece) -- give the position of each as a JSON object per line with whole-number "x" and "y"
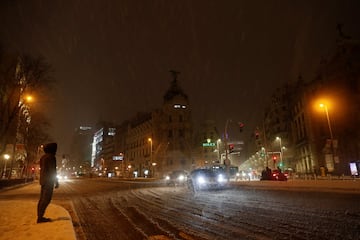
{"x": 50, "y": 148}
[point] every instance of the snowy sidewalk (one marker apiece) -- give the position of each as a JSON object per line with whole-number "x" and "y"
{"x": 18, "y": 221}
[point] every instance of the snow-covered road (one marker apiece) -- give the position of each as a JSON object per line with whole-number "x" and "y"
{"x": 236, "y": 213}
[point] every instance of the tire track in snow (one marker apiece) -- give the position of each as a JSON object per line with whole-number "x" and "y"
{"x": 108, "y": 225}
{"x": 194, "y": 218}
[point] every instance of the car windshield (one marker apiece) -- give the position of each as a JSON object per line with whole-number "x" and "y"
{"x": 208, "y": 172}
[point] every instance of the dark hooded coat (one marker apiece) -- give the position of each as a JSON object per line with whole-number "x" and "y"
{"x": 48, "y": 165}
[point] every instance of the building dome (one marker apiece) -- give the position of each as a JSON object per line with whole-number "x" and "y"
{"x": 174, "y": 90}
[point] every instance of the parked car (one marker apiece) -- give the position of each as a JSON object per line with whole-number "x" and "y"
{"x": 207, "y": 178}
{"x": 177, "y": 178}
{"x": 275, "y": 175}
{"x": 279, "y": 175}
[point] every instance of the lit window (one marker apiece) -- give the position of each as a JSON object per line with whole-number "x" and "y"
{"x": 112, "y": 131}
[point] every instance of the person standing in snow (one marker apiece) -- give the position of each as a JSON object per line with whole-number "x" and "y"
{"x": 48, "y": 180}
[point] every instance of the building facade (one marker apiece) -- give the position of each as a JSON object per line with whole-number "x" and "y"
{"x": 103, "y": 148}
{"x": 316, "y": 121}
{"x": 150, "y": 144}
{"x": 79, "y": 158}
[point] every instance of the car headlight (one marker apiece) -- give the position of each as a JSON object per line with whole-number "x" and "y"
{"x": 221, "y": 178}
{"x": 200, "y": 179}
{"x": 181, "y": 178}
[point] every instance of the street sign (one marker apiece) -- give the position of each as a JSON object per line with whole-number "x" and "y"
{"x": 210, "y": 144}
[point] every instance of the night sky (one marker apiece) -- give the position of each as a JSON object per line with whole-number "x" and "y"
{"x": 112, "y": 58}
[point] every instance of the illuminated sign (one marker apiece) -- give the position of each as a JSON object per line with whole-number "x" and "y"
{"x": 208, "y": 144}
{"x": 118, "y": 158}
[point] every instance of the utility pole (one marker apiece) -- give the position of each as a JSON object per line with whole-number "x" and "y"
{"x": 227, "y": 160}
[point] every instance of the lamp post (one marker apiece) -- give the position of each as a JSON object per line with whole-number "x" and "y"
{"x": 153, "y": 167}
{"x": 281, "y": 151}
{"x": 151, "y": 149}
{"x": 325, "y": 107}
{"x": 129, "y": 169}
{"x": 263, "y": 154}
{"x": 218, "y": 142}
{"x": 23, "y": 109}
{"x": 328, "y": 120}
{"x": 26, "y": 112}
{"x": 227, "y": 160}
{"x": 6, "y": 157}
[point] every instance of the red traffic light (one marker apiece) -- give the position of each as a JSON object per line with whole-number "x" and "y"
{"x": 241, "y": 126}
{"x": 231, "y": 147}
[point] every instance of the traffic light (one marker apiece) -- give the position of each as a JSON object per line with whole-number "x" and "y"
{"x": 241, "y": 126}
{"x": 257, "y": 135}
{"x": 274, "y": 158}
{"x": 231, "y": 148}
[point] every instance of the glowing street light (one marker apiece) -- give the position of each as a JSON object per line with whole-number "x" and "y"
{"x": 151, "y": 146}
{"x": 29, "y": 98}
{"x": 151, "y": 149}
{"x": 281, "y": 151}
{"x": 153, "y": 167}
{"x": 6, "y": 157}
{"x": 23, "y": 109}
{"x": 218, "y": 142}
{"x": 324, "y": 106}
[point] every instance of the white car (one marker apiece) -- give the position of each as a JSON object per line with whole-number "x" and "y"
{"x": 207, "y": 178}
{"x": 177, "y": 178}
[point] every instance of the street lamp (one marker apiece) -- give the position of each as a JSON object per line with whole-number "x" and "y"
{"x": 151, "y": 149}
{"x": 6, "y": 157}
{"x": 23, "y": 109}
{"x": 29, "y": 98}
{"x": 281, "y": 151}
{"x": 328, "y": 119}
{"x": 218, "y": 142}
{"x": 263, "y": 154}
{"x": 325, "y": 107}
{"x": 153, "y": 167}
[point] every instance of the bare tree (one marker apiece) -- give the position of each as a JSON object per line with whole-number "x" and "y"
{"x": 35, "y": 134}
{"x": 8, "y": 90}
{"x": 20, "y": 75}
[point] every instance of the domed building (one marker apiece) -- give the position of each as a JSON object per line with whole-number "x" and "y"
{"x": 151, "y": 144}
{"x": 172, "y": 131}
